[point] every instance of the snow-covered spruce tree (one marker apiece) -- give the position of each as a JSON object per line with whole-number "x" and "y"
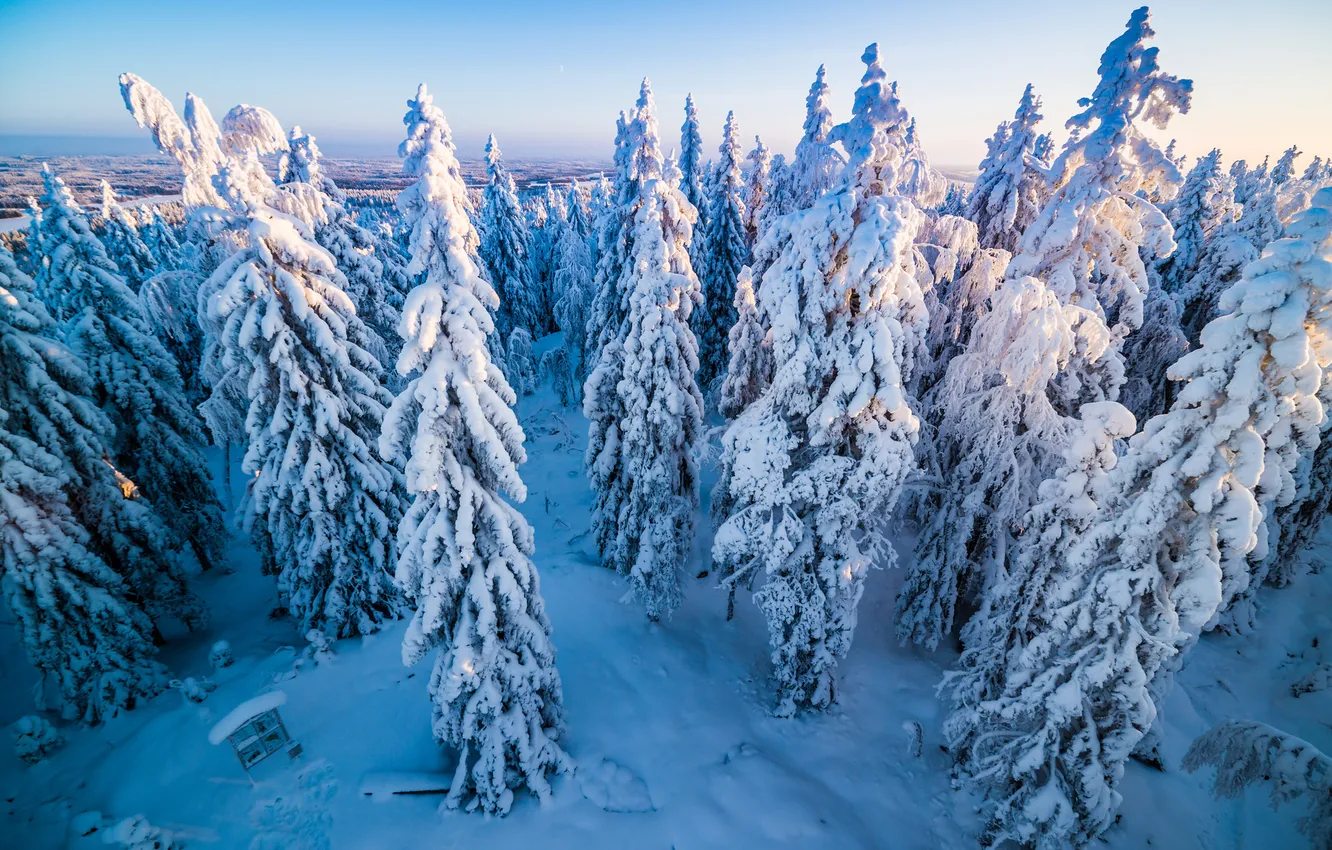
{"x": 504, "y": 247}
{"x": 122, "y": 241}
{"x": 1225, "y": 253}
{"x": 196, "y": 144}
{"x": 1126, "y": 601}
{"x": 606, "y": 324}
{"x": 1317, "y": 170}
{"x": 619, "y": 205}
{"x": 81, "y": 628}
{"x": 812, "y": 466}
{"x": 723, "y": 250}
{"x": 750, "y": 365}
{"x": 351, "y": 246}
{"x": 574, "y": 275}
{"x": 1296, "y": 194}
{"x": 1202, "y": 211}
{"x": 1295, "y": 525}
{"x": 1149, "y": 351}
{"x": 167, "y": 303}
{"x": 321, "y": 504}
{"x": 1087, "y": 240}
{"x": 643, "y": 521}
{"x": 691, "y": 152}
{"x": 964, "y": 300}
{"x": 781, "y": 197}
{"x": 1007, "y": 195}
{"x": 817, "y": 163}
{"x": 1248, "y": 180}
{"x": 464, "y": 553}
{"x": 955, "y": 201}
{"x": 1022, "y": 599}
{"x": 545, "y": 221}
{"x": 1285, "y": 299}
{"x": 128, "y": 532}
{"x": 997, "y": 436}
{"x": 522, "y": 371}
{"x": 158, "y": 439}
{"x": 1285, "y": 166}
{"x": 1246, "y": 753}
{"x": 91, "y": 644}
{"x": 1205, "y": 203}
{"x": 161, "y": 239}
{"x": 918, "y": 180}
{"x": 756, "y": 187}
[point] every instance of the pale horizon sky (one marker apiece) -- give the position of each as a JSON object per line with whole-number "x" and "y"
{"x": 549, "y": 78}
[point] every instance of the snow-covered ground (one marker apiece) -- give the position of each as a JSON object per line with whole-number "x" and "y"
{"x": 669, "y": 723}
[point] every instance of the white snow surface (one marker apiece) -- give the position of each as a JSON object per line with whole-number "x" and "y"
{"x": 683, "y": 706}
{"x": 242, "y": 713}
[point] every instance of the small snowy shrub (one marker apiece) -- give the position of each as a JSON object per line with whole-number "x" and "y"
{"x": 192, "y": 689}
{"x": 320, "y": 648}
{"x": 220, "y": 655}
{"x": 136, "y": 833}
{"x": 35, "y": 739}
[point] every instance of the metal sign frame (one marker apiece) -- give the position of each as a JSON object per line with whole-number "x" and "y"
{"x": 260, "y": 737}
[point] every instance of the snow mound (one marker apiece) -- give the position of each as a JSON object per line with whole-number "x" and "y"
{"x": 614, "y": 788}
{"x": 243, "y": 712}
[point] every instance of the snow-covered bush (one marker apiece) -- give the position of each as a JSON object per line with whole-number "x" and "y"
{"x": 35, "y": 739}
{"x": 193, "y": 690}
{"x": 220, "y": 656}
{"x": 136, "y": 833}
{"x": 319, "y": 647}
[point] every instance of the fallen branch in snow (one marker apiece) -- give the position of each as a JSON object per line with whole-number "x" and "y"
{"x": 381, "y": 786}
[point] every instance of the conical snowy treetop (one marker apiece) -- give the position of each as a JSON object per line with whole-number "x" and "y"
{"x": 816, "y": 162}
{"x": 691, "y": 155}
{"x": 301, "y": 162}
{"x": 875, "y": 115}
{"x": 1132, "y": 87}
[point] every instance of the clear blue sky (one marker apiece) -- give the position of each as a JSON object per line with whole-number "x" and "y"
{"x": 549, "y": 77}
